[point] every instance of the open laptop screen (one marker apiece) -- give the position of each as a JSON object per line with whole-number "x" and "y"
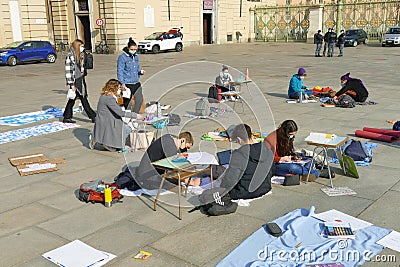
{"x": 224, "y": 157}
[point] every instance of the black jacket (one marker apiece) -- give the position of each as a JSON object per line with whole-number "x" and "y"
{"x": 318, "y": 38}
{"x": 332, "y": 37}
{"x": 341, "y": 38}
{"x": 326, "y": 37}
{"x": 356, "y": 89}
{"x": 249, "y": 173}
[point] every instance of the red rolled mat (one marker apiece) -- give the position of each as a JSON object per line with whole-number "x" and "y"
{"x": 376, "y": 136}
{"x": 382, "y": 131}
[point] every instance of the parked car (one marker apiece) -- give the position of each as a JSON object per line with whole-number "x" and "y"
{"x": 355, "y": 37}
{"x": 392, "y": 37}
{"x": 161, "y": 41}
{"x": 22, "y": 51}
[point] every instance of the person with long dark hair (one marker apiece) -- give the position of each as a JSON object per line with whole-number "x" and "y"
{"x": 129, "y": 71}
{"x": 75, "y": 72}
{"x": 281, "y": 142}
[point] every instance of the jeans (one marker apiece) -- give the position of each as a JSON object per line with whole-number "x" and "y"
{"x": 281, "y": 169}
{"x": 296, "y": 95}
{"x": 341, "y": 46}
{"x": 318, "y": 49}
{"x": 331, "y": 48}
{"x": 325, "y": 48}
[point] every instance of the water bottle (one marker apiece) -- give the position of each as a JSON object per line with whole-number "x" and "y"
{"x": 158, "y": 109}
{"x": 301, "y": 97}
{"x": 107, "y": 196}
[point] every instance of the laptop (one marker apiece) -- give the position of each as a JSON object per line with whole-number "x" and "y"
{"x": 224, "y": 157}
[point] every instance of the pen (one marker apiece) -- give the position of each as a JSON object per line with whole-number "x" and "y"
{"x": 298, "y": 245}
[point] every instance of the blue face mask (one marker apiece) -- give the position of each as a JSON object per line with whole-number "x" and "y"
{"x": 291, "y": 136}
{"x": 132, "y": 52}
{"x": 81, "y": 49}
{"x": 226, "y": 74}
{"x": 342, "y": 84}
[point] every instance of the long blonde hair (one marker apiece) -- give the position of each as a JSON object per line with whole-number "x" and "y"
{"x": 111, "y": 87}
{"x": 76, "y": 47}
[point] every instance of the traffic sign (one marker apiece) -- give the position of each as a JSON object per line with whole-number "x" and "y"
{"x": 100, "y": 22}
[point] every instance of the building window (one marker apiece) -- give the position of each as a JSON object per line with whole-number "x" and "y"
{"x": 83, "y": 5}
{"x": 253, "y": 0}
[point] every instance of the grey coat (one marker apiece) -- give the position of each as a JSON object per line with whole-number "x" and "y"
{"x": 109, "y": 127}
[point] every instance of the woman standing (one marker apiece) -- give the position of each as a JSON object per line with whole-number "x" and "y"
{"x": 128, "y": 71}
{"x": 75, "y": 72}
{"x": 109, "y": 129}
{"x": 281, "y": 142}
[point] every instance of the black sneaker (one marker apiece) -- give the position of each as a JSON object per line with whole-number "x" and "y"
{"x": 325, "y": 174}
{"x": 68, "y": 121}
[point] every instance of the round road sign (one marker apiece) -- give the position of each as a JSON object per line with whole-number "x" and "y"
{"x": 100, "y": 22}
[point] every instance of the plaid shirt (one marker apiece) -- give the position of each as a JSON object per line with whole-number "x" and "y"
{"x": 70, "y": 69}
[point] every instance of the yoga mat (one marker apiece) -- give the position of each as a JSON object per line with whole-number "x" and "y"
{"x": 383, "y": 131}
{"x": 376, "y": 136}
{"x": 42, "y": 129}
{"x": 31, "y": 117}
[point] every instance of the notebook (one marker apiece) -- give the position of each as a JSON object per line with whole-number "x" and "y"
{"x": 224, "y": 157}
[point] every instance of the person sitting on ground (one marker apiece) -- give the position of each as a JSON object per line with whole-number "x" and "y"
{"x": 166, "y": 146}
{"x": 296, "y": 86}
{"x": 109, "y": 128}
{"x": 396, "y": 124}
{"x": 352, "y": 87}
{"x": 281, "y": 142}
{"x": 250, "y": 168}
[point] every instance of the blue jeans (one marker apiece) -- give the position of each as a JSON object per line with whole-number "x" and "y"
{"x": 341, "y": 46}
{"x": 296, "y": 95}
{"x": 293, "y": 168}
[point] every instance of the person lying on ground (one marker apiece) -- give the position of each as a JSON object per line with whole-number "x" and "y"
{"x": 396, "y": 124}
{"x": 352, "y": 87}
{"x": 250, "y": 168}
{"x": 296, "y": 86}
{"x": 166, "y": 146}
{"x": 109, "y": 125}
{"x": 281, "y": 142}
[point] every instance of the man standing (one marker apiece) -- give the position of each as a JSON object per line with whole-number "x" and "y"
{"x": 326, "y": 40}
{"x": 332, "y": 42}
{"x": 341, "y": 40}
{"x": 318, "y": 38}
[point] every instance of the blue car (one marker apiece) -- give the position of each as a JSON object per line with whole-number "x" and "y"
{"x": 17, "y": 52}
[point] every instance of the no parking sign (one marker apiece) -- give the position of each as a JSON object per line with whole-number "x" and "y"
{"x": 100, "y": 22}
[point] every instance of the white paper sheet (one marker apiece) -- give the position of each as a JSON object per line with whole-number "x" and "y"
{"x": 198, "y": 158}
{"x": 78, "y": 254}
{"x": 391, "y": 241}
{"x": 334, "y": 215}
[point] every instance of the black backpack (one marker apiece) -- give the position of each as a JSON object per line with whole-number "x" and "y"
{"x": 126, "y": 180}
{"x": 173, "y": 119}
{"x": 213, "y": 92}
{"x": 357, "y": 151}
{"x": 89, "y": 61}
{"x": 216, "y": 202}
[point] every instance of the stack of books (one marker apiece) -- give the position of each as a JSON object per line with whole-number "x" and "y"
{"x": 339, "y": 230}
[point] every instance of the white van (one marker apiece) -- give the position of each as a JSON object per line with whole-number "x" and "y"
{"x": 392, "y": 37}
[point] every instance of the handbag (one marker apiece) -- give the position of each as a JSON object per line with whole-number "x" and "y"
{"x": 141, "y": 139}
{"x": 71, "y": 94}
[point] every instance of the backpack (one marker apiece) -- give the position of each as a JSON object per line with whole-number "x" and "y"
{"x": 217, "y": 202}
{"x": 89, "y": 61}
{"x": 174, "y": 119}
{"x": 126, "y": 180}
{"x": 346, "y": 101}
{"x": 357, "y": 151}
{"x": 203, "y": 107}
{"x": 94, "y": 192}
{"x": 213, "y": 93}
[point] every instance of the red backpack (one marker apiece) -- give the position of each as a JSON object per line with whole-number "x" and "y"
{"x": 94, "y": 192}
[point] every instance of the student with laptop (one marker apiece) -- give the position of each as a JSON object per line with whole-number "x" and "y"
{"x": 250, "y": 168}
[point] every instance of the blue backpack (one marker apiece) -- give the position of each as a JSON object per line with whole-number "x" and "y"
{"x": 357, "y": 151}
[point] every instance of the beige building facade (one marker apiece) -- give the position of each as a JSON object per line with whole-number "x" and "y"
{"x": 202, "y": 21}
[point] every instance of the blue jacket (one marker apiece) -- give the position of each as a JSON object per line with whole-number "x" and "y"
{"x": 295, "y": 85}
{"x": 128, "y": 69}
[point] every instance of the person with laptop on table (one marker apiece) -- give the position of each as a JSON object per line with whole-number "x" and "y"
{"x": 166, "y": 146}
{"x": 250, "y": 168}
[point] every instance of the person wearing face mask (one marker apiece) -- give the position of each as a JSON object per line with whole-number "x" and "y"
{"x": 250, "y": 168}
{"x": 166, "y": 146}
{"x": 296, "y": 86}
{"x": 75, "y": 72}
{"x": 128, "y": 72}
{"x": 281, "y": 142}
{"x": 109, "y": 129}
{"x": 352, "y": 87}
